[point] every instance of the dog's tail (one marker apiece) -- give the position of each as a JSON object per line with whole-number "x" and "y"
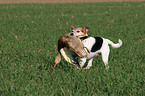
{"x": 115, "y": 45}
{"x": 57, "y": 59}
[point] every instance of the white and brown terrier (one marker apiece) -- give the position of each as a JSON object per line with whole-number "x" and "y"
{"x": 96, "y": 46}
{"x": 71, "y": 47}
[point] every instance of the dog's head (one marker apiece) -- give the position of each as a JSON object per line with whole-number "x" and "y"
{"x": 79, "y": 32}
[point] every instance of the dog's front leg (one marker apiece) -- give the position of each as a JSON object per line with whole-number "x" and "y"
{"x": 82, "y": 62}
{"x": 89, "y": 64}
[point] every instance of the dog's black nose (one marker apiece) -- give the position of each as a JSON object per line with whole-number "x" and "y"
{"x": 71, "y": 34}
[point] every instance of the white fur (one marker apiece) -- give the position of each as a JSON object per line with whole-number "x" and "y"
{"x": 67, "y": 54}
{"x": 104, "y": 51}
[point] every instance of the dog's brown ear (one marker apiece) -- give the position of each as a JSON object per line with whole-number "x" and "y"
{"x": 86, "y": 29}
{"x": 72, "y": 27}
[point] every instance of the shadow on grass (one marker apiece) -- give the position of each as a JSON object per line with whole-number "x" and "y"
{"x": 49, "y": 63}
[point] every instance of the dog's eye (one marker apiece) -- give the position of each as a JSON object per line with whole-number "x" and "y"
{"x": 78, "y": 31}
{"x": 82, "y": 31}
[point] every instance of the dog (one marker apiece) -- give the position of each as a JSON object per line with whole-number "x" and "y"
{"x": 70, "y": 46}
{"x": 96, "y": 46}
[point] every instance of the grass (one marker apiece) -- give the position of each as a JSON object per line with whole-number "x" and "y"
{"x": 28, "y": 44}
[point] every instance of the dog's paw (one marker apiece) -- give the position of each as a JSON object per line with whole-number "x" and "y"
{"x": 107, "y": 68}
{"x": 88, "y": 67}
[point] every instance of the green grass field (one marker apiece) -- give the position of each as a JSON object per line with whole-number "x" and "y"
{"x": 28, "y": 46}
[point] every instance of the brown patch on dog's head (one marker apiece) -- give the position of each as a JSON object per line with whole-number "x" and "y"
{"x": 79, "y": 32}
{"x": 86, "y": 29}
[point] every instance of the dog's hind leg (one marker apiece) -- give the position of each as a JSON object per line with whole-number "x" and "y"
{"x": 105, "y": 55}
{"x": 89, "y": 64}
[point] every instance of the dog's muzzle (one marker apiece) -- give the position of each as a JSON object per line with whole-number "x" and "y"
{"x": 72, "y": 34}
